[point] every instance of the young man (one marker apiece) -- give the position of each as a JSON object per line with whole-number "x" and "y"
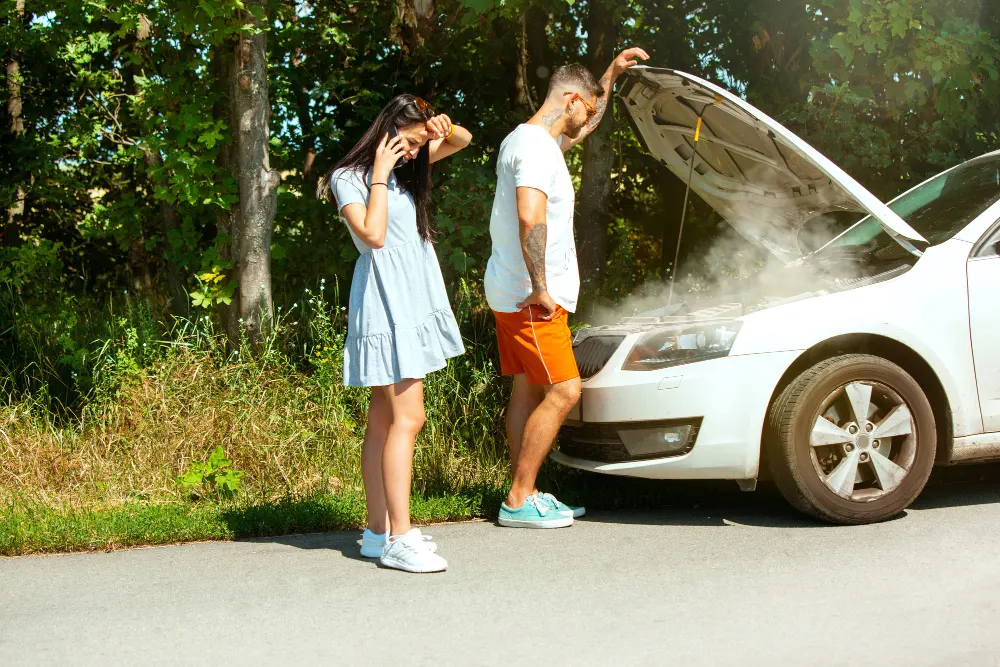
{"x": 532, "y": 279}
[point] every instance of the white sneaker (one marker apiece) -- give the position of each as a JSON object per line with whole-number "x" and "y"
{"x": 409, "y": 552}
{"x": 372, "y": 544}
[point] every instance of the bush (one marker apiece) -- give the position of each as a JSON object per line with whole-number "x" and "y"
{"x": 161, "y": 402}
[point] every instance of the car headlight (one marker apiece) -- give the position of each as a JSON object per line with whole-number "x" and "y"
{"x": 672, "y": 347}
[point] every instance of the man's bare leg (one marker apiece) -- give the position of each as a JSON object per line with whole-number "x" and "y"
{"x": 539, "y": 433}
{"x": 524, "y": 399}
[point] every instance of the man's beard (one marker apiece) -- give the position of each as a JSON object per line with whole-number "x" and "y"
{"x": 574, "y": 132}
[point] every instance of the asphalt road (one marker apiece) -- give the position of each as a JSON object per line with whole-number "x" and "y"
{"x": 716, "y": 579}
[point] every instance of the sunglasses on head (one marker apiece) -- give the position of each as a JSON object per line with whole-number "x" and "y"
{"x": 591, "y": 110}
{"x": 422, "y": 106}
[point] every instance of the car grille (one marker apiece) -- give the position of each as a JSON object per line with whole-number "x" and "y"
{"x": 593, "y": 442}
{"x": 593, "y": 353}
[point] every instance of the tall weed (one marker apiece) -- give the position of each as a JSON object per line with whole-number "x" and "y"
{"x": 161, "y": 401}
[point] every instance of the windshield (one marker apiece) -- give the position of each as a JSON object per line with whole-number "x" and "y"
{"x": 938, "y": 209}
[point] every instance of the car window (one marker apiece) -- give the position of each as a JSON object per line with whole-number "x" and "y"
{"x": 991, "y": 246}
{"x": 821, "y": 229}
{"x": 938, "y": 209}
{"x": 943, "y": 206}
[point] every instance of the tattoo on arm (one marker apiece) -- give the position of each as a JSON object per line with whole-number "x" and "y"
{"x": 533, "y": 248}
{"x": 601, "y": 106}
{"x": 602, "y": 102}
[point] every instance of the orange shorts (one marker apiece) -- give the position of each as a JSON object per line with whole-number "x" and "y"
{"x": 541, "y": 349}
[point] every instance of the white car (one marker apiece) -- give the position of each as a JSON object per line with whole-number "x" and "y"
{"x": 876, "y": 357}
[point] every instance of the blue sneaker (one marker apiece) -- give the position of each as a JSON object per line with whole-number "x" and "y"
{"x": 534, "y": 513}
{"x": 561, "y": 507}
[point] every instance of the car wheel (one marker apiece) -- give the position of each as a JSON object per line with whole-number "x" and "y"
{"x": 852, "y": 440}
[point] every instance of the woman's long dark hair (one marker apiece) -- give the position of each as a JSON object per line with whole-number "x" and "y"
{"x": 414, "y": 176}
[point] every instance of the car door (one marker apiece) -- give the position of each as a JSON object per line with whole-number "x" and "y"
{"x": 984, "y": 320}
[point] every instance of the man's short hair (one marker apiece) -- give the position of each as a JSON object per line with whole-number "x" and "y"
{"x": 575, "y": 76}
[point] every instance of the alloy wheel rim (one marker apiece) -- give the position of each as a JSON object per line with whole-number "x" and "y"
{"x": 863, "y": 441}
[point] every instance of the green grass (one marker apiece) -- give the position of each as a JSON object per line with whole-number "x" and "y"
{"x": 27, "y": 528}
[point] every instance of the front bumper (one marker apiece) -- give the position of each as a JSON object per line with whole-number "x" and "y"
{"x": 727, "y": 397}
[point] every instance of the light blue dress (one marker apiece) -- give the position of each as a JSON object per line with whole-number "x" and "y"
{"x": 400, "y": 322}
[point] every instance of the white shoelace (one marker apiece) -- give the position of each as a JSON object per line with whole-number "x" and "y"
{"x": 551, "y": 499}
{"x": 415, "y": 547}
{"x": 537, "y": 503}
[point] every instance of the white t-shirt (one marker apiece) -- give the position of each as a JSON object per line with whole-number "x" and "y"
{"x": 530, "y": 157}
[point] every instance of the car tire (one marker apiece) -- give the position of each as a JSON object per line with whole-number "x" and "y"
{"x": 818, "y": 479}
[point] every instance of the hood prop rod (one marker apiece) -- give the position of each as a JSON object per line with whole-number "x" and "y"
{"x": 687, "y": 193}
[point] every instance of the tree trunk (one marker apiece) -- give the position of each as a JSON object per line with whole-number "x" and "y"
{"x": 675, "y": 34}
{"x": 142, "y": 275}
{"x": 524, "y": 101}
{"x": 152, "y": 160}
{"x": 11, "y": 236}
{"x": 670, "y": 190}
{"x": 594, "y": 204}
{"x": 169, "y": 223}
{"x": 140, "y": 264}
{"x": 258, "y": 183}
{"x": 539, "y": 53}
{"x": 308, "y": 134}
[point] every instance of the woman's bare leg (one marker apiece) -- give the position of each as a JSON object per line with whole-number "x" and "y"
{"x": 406, "y": 399}
{"x": 376, "y": 433}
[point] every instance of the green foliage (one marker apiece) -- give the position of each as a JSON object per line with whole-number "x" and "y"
{"x": 123, "y": 166}
{"x": 462, "y": 207}
{"x": 123, "y": 159}
{"x": 906, "y": 87}
{"x": 213, "y": 289}
{"x": 215, "y": 475}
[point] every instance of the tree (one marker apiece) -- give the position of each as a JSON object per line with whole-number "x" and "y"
{"x": 258, "y": 182}
{"x": 903, "y": 87}
{"x": 594, "y": 208}
{"x": 15, "y": 125}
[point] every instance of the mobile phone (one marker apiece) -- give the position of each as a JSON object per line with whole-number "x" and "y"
{"x": 401, "y": 161}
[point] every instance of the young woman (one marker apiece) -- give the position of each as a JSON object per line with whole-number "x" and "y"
{"x": 400, "y": 324}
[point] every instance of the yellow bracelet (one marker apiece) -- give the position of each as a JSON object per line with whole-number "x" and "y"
{"x": 450, "y": 132}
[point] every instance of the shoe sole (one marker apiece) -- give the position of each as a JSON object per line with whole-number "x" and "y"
{"x": 376, "y": 551}
{"x": 558, "y": 522}
{"x": 397, "y": 565}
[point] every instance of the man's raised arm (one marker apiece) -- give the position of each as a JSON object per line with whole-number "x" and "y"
{"x": 622, "y": 62}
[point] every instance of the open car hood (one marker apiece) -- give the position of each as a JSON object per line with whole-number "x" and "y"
{"x": 772, "y": 187}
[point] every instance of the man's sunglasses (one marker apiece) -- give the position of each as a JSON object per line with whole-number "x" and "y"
{"x": 591, "y": 110}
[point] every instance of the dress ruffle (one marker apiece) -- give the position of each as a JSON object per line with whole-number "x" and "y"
{"x": 405, "y": 353}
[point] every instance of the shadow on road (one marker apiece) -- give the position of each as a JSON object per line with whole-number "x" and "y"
{"x": 961, "y": 485}
{"x": 689, "y": 503}
{"x": 712, "y": 504}
{"x": 346, "y": 542}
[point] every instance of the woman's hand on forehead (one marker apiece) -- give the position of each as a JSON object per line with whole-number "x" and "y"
{"x": 439, "y": 126}
{"x": 415, "y": 136}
